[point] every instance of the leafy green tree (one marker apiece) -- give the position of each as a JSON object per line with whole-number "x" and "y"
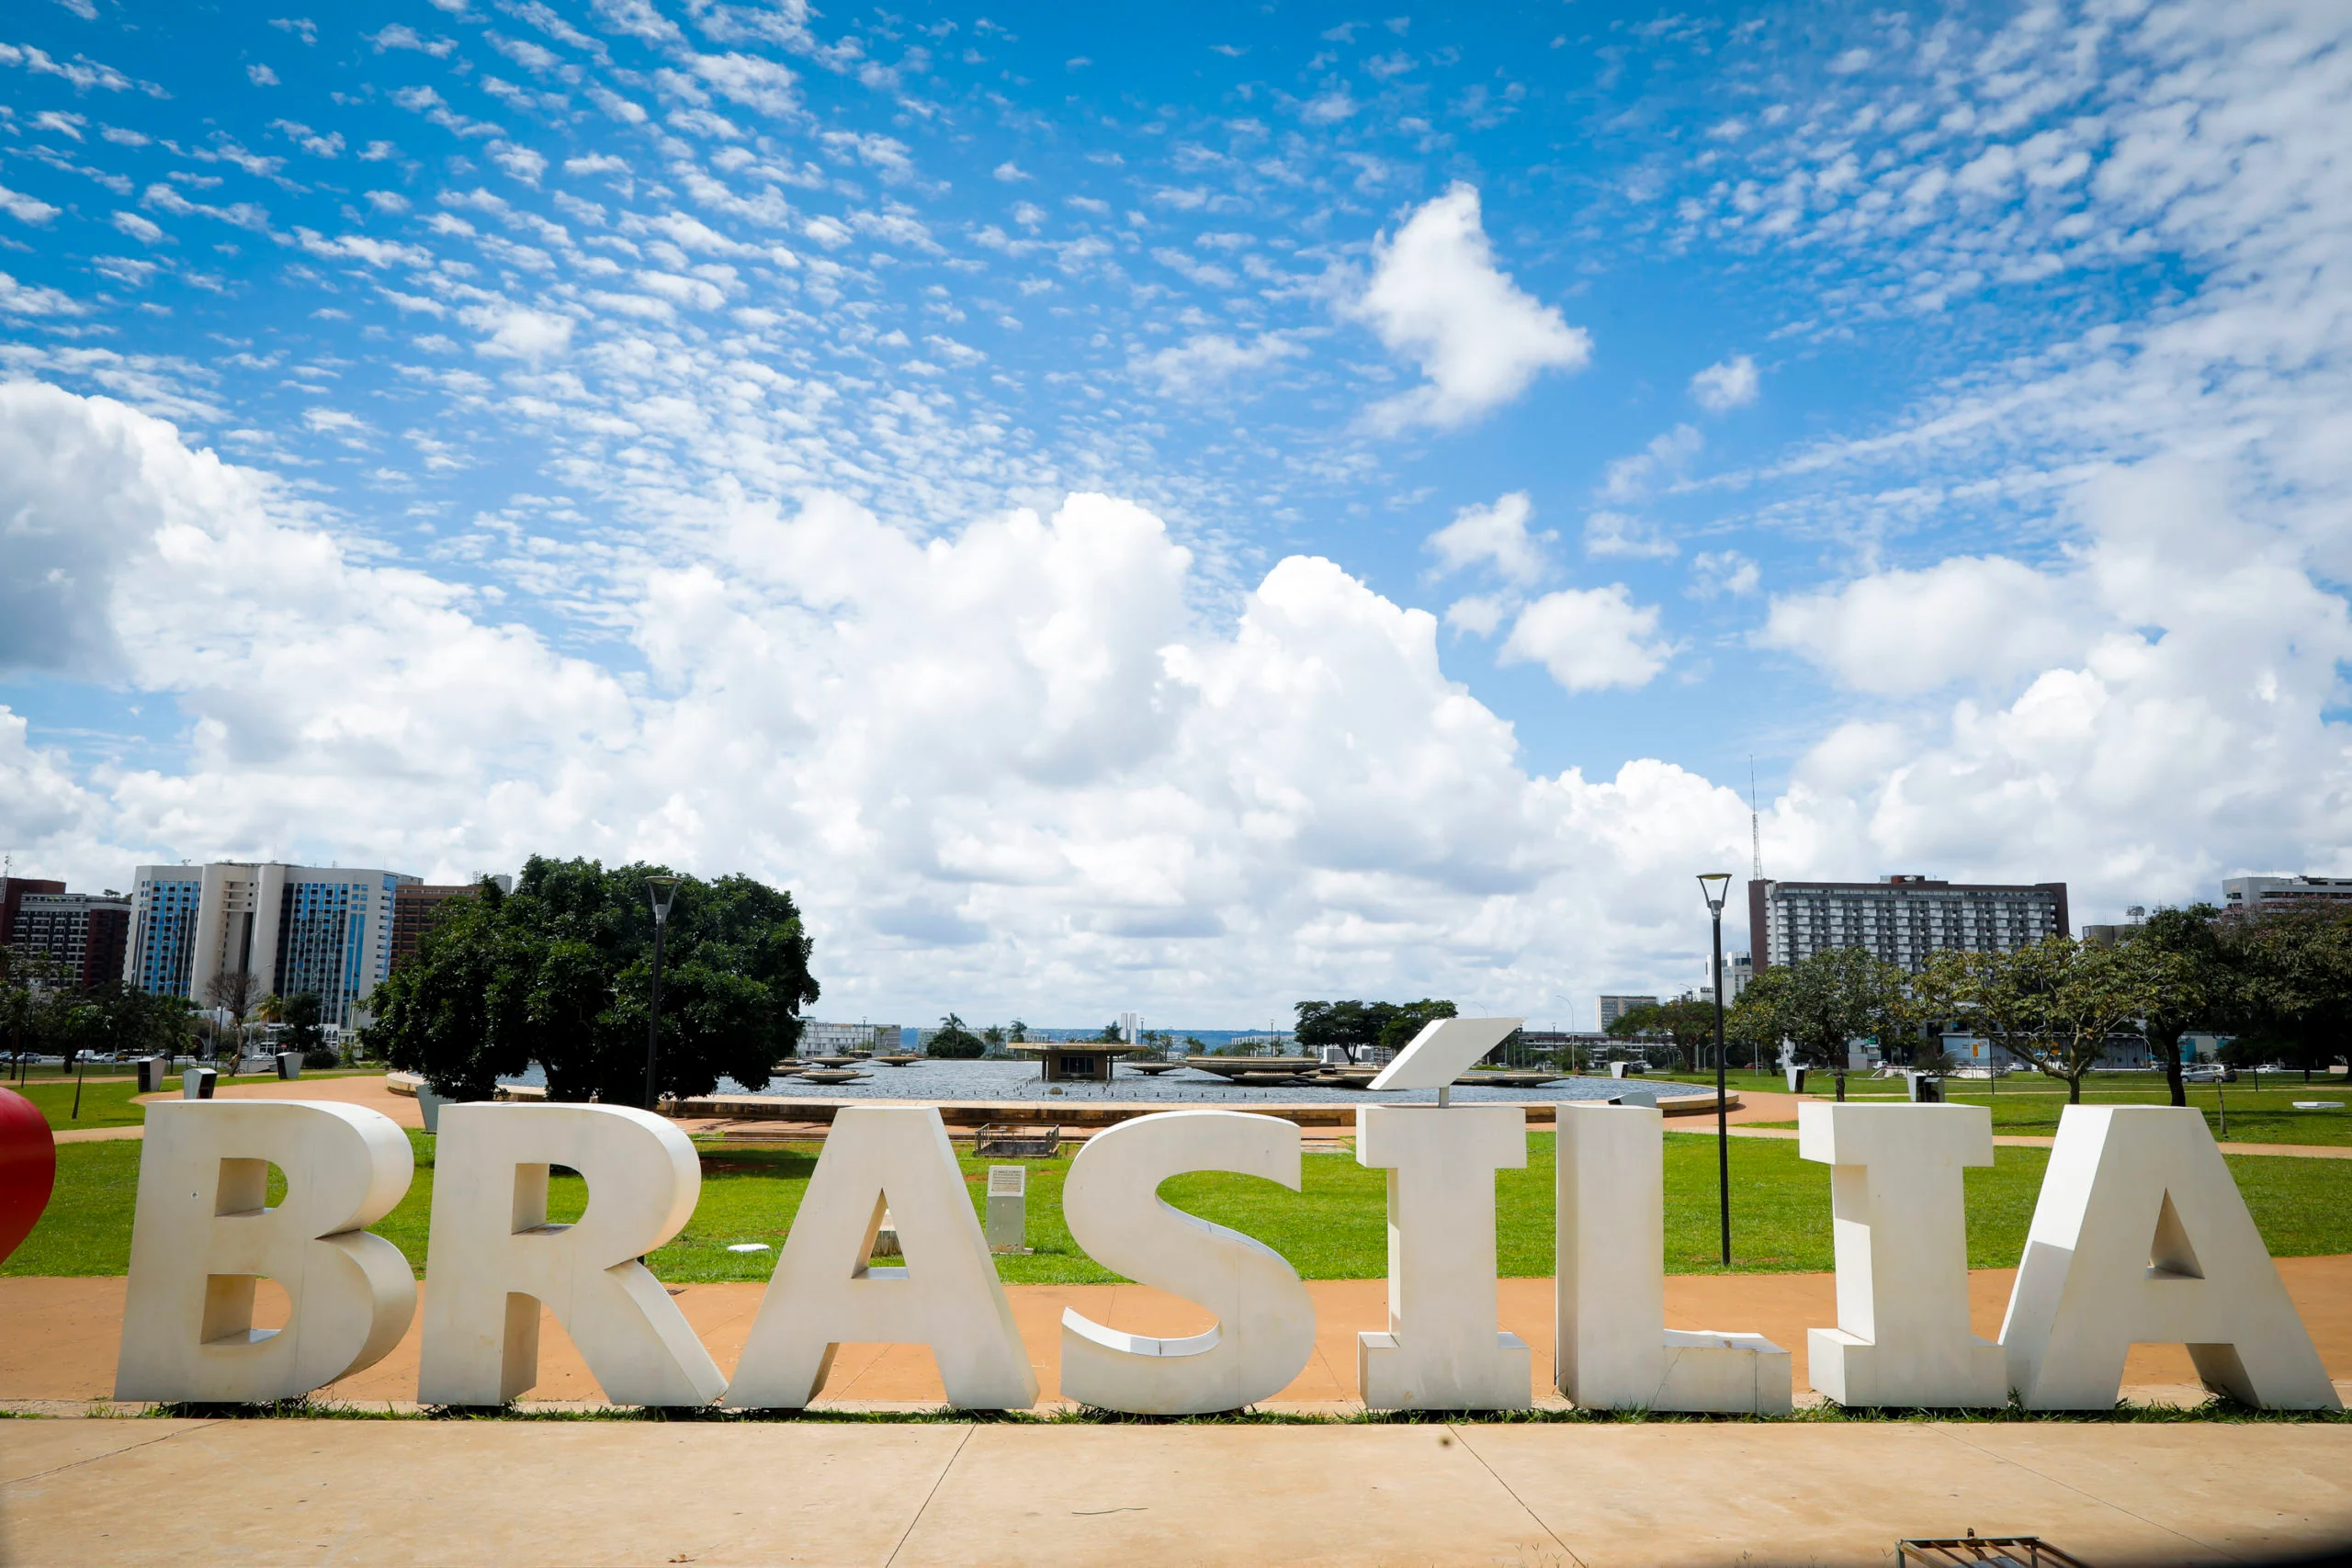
{"x": 2293, "y": 996}
{"x": 2057, "y": 1004}
{"x": 1110, "y": 1035}
{"x": 2190, "y": 996}
{"x": 559, "y": 973}
{"x": 1353, "y": 1026}
{"x": 1820, "y": 1004}
{"x": 1406, "y": 1020}
{"x": 1686, "y": 1023}
{"x": 302, "y": 1013}
{"x": 953, "y": 1041}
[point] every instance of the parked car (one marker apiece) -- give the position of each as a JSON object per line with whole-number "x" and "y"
{"x": 2209, "y": 1075}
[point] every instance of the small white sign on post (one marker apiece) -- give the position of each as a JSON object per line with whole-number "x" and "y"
{"x": 1008, "y": 1223}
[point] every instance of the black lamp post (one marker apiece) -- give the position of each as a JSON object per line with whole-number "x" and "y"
{"x": 661, "y": 890}
{"x": 1713, "y": 885}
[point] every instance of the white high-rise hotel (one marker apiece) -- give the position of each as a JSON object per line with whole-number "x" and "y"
{"x": 325, "y": 930}
{"x": 1901, "y": 919}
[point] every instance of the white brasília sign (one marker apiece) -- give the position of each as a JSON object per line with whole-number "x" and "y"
{"x": 2140, "y": 1236}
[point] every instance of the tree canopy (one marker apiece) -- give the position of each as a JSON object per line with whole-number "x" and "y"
{"x": 559, "y": 973}
{"x": 1353, "y": 1025}
{"x": 2292, "y": 992}
{"x": 1820, "y": 1004}
{"x": 954, "y": 1042}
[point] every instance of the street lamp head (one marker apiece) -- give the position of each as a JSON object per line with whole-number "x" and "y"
{"x": 661, "y": 890}
{"x": 1715, "y": 884}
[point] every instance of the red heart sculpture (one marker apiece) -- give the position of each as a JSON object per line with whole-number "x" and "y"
{"x": 27, "y": 1167}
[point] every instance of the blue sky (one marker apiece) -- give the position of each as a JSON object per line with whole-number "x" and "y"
{"x": 446, "y": 432}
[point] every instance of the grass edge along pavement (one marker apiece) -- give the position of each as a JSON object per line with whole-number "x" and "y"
{"x": 1334, "y": 1228}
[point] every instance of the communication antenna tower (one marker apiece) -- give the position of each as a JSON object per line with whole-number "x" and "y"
{"x": 1754, "y": 832}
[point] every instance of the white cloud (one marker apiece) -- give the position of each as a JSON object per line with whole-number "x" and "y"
{"x": 1714, "y": 573}
{"x": 26, "y": 209}
{"x": 995, "y": 764}
{"x": 1009, "y": 171}
{"x": 1436, "y": 296}
{"x": 400, "y": 36}
{"x": 747, "y": 79}
{"x": 523, "y": 163}
{"x": 140, "y": 228}
{"x": 1608, "y": 532}
{"x": 516, "y": 333}
{"x": 1968, "y": 617}
{"x": 261, "y": 75}
{"x": 1207, "y": 362}
{"x": 1727, "y": 385}
{"x": 1589, "y": 638}
{"x": 34, "y": 299}
{"x": 1667, "y": 454}
{"x": 1496, "y": 533}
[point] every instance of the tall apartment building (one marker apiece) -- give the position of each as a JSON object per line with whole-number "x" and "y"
{"x": 13, "y": 890}
{"x": 83, "y": 932}
{"x": 415, "y": 904}
{"x": 326, "y": 929}
{"x": 1900, "y": 919}
{"x": 2264, "y": 895}
{"x": 1614, "y": 1007}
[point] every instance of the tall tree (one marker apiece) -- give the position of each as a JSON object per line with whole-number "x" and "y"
{"x": 1824, "y": 1002}
{"x": 2191, "y": 996}
{"x": 234, "y": 992}
{"x": 954, "y": 1042}
{"x": 2294, "y": 991}
{"x": 559, "y": 973}
{"x": 1685, "y": 1022}
{"x": 2056, "y": 1003}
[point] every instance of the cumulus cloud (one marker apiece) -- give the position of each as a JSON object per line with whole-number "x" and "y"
{"x": 1436, "y": 298}
{"x": 1728, "y": 383}
{"x": 1970, "y": 618}
{"x": 1497, "y": 534}
{"x": 1589, "y": 638}
{"x": 1007, "y": 764}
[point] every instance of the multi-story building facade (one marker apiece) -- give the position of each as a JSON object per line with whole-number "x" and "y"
{"x": 1614, "y": 1007}
{"x": 13, "y": 889}
{"x": 2245, "y": 895}
{"x": 325, "y": 929}
{"x": 1900, "y": 919}
{"x": 83, "y": 933}
{"x": 839, "y": 1039}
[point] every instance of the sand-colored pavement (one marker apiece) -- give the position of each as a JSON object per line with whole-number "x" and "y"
{"x": 517, "y": 1494}
{"x": 60, "y": 1334}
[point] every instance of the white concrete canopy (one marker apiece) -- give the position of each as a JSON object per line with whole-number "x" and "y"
{"x": 1441, "y": 1349}
{"x": 201, "y": 1236}
{"x": 1264, "y": 1331}
{"x": 1444, "y": 1051}
{"x": 1899, "y": 1224}
{"x": 492, "y": 1260}
{"x": 1613, "y": 1350}
{"x": 823, "y": 1294}
{"x": 2141, "y": 1237}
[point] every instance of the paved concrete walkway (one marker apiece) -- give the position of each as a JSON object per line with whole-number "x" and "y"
{"x": 516, "y": 1495}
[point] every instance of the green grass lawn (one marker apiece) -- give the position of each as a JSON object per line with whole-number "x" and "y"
{"x": 2030, "y": 1105}
{"x": 1334, "y": 1229}
{"x": 108, "y": 1103}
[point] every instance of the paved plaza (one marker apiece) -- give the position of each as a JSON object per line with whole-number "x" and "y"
{"x": 522, "y": 1494}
